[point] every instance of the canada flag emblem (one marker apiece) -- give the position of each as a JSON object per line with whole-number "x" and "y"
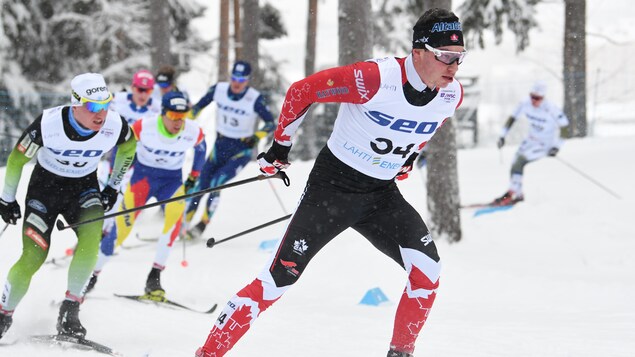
{"x": 454, "y": 37}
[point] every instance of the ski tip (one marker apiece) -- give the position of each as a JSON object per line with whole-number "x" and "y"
{"x": 212, "y": 309}
{"x": 211, "y": 242}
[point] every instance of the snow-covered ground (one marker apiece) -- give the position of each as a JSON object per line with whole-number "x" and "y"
{"x": 551, "y": 277}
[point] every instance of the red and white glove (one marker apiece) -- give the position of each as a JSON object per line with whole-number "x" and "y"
{"x": 274, "y": 160}
{"x": 406, "y": 167}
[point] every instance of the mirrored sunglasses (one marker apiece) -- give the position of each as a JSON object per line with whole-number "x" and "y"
{"x": 240, "y": 79}
{"x": 175, "y": 115}
{"x": 96, "y": 106}
{"x": 447, "y": 57}
{"x": 164, "y": 84}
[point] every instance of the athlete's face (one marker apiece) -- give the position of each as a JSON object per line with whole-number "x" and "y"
{"x": 433, "y": 72}
{"x": 141, "y": 96}
{"x": 238, "y": 87}
{"x": 88, "y": 119}
{"x": 173, "y": 126}
{"x": 536, "y": 99}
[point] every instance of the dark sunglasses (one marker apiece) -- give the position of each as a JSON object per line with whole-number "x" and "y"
{"x": 536, "y": 97}
{"x": 143, "y": 90}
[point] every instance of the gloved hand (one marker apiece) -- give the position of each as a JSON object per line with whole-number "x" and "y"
{"x": 10, "y": 211}
{"x": 251, "y": 141}
{"x": 274, "y": 160}
{"x": 406, "y": 167}
{"x": 553, "y": 151}
{"x": 190, "y": 183}
{"x": 108, "y": 198}
{"x": 501, "y": 142}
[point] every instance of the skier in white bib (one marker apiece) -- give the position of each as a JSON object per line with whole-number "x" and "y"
{"x": 543, "y": 139}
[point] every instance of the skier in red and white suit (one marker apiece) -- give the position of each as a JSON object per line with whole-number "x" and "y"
{"x": 390, "y": 108}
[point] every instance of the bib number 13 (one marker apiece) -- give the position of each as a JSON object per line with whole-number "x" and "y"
{"x": 385, "y": 146}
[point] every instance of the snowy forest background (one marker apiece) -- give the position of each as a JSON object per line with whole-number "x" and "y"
{"x": 44, "y": 43}
{"x": 551, "y": 277}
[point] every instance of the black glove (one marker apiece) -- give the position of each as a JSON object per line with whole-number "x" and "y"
{"x": 108, "y": 198}
{"x": 10, "y": 211}
{"x": 406, "y": 167}
{"x": 274, "y": 160}
{"x": 501, "y": 142}
{"x": 553, "y": 151}
{"x": 250, "y": 141}
{"x": 189, "y": 183}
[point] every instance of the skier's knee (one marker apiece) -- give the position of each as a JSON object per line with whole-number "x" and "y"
{"x": 519, "y": 165}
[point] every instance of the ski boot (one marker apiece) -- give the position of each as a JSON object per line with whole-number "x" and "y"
{"x": 393, "y": 353}
{"x": 153, "y": 289}
{"x": 508, "y": 199}
{"x": 68, "y": 321}
{"x": 5, "y": 323}
{"x": 196, "y": 232}
{"x": 91, "y": 283}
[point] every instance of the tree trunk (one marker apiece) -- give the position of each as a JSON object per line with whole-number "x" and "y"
{"x": 309, "y": 58}
{"x": 160, "y": 34}
{"x": 355, "y": 44}
{"x": 238, "y": 44}
{"x": 223, "y": 44}
{"x": 251, "y": 18}
{"x": 574, "y": 66}
{"x": 355, "y": 31}
{"x": 442, "y": 174}
{"x": 306, "y": 147}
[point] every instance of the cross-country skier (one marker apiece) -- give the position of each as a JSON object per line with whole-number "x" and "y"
{"x": 237, "y": 112}
{"x": 390, "y": 108}
{"x": 68, "y": 142}
{"x": 543, "y": 138}
{"x": 162, "y": 144}
{"x": 132, "y": 106}
{"x": 166, "y": 82}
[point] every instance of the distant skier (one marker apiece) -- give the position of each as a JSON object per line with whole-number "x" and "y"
{"x": 166, "y": 82}
{"x": 162, "y": 144}
{"x": 543, "y": 138}
{"x": 238, "y": 108}
{"x": 68, "y": 141}
{"x": 390, "y": 108}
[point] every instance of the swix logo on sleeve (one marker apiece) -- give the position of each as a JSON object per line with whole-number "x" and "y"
{"x": 403, "y": 125}
{"x": 359, "y": 83}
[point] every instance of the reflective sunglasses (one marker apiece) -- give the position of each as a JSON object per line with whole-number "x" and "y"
{"x": 240, "y": 79}
{"x": 164, "y": 84}
{"x": 175, "y": 115}
{"x": 143, "y": 90}
{"x": 536, "y": 97}
{"x": 447, "y": 57}
{"x": 94, "y": 106}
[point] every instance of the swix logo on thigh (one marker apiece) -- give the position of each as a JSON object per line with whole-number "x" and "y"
{"x": 427, "y": 239}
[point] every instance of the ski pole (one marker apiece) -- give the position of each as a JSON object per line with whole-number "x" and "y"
{"x": 281, "y": 175}
{"x": 275, "y": 192}
{"x": 4, "y": 229}
{"x": 211, "y": 242}
{"x": 588, "y": 178}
